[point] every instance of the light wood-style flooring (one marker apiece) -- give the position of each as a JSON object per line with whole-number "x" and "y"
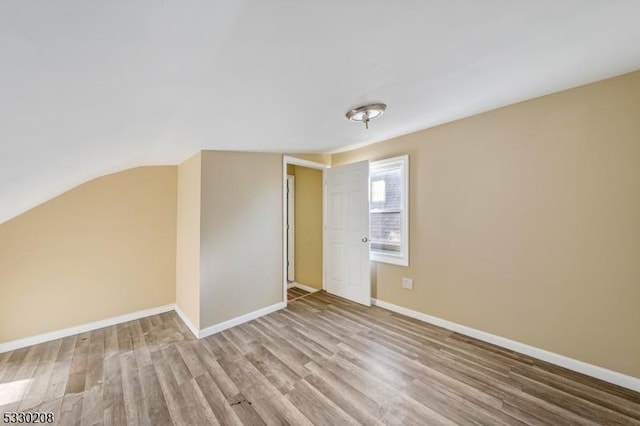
{"x": 323, "y": 360}
{"x": 294, "y": 293}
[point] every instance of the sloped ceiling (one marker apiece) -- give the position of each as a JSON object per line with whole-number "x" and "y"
{"x": 88, "y": 87}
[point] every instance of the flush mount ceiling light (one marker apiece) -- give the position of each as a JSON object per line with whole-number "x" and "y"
{"x": 366, "y": 113}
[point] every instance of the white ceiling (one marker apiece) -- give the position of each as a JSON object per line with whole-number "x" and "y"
{"x": 88, "y": 87}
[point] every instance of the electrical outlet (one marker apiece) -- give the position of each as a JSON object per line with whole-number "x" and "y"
{"x": 407, "y": 283}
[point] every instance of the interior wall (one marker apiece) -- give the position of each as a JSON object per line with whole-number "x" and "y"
{"x": 308, "y": 226}
{"x": 525, "y": 222}
{"x": 316, "y": 158}
{"x": 103, "y": 249}
{"x": 188, "y": 238}
{"x": 241, "y": 234}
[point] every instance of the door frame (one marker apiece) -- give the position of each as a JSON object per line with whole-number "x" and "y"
{"x": 286, "y": 160}
{"x": 291, "y": 227}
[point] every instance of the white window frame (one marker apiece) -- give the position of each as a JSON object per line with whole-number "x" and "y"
{"x": 402, "y": 258}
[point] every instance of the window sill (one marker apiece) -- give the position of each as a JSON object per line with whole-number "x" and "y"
{"x": 392, "y": 260}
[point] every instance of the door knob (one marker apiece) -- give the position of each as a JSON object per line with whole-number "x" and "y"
{"x": 365, "y": 239}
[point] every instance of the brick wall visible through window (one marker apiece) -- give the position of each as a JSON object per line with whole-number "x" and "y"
{"x": 386, "y": 215}
{"x": 387, "y": 209}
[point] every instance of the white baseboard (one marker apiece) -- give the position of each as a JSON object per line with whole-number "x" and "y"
{"x": 70, "y": 331}
{"x": 216, "y": 328}
{"x": 185, "y": 319}
{"x": 601, "y": 373}
{"x": 208, "y": 331}
{"x": 303, "y": 287}
{"x": 291, "y": 285}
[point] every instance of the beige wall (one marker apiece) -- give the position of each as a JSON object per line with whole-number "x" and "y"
{"x": 188, "y": 238}
{"x": 525, "y": 222}
{"x": 103, "y": 249}
{"x": 241, "y": 234}
{"x": 308, "y": 226}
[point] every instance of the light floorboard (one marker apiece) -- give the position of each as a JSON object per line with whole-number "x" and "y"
{"x": 321, "y": 361}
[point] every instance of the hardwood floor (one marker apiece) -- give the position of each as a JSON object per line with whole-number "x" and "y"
{"x": 293, "y": 293}
{"x": 323, "y": 360}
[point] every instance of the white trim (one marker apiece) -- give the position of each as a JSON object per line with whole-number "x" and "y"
{"x": 291, "y": 227}
{"x": 199, "y": 334}
{"x": 304, "y": 287}
{"x": 185, "y": 319}
{"x": 305, "y": 163}
{"x": 284, "y": 227}
{"x": 286, "y": 159}
{"x": 290, "y": 285}
{"x": 324, "y": 229}
{"x": 83, "y": 328}
{"x": 601, "y": 373}
{"x": 216, "y": 328}
{"x": 403, "y": 258}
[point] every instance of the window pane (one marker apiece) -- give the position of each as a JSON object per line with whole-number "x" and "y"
{"x": 390, "y": 182}
{"x": 384, "y": 248}
{"x": 377, "y": 191}
{"x": 386, "y": 231}
{"x": 388, "y": 202}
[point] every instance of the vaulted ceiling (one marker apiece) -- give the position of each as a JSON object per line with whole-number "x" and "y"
{"x": 88, "y": 88}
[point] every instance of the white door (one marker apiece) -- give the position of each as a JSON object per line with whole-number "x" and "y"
{"x": 347, "y": 251}
{"x": 291, "y": 228}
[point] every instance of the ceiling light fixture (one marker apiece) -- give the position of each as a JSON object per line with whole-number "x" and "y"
{"x": 366, "y": 113}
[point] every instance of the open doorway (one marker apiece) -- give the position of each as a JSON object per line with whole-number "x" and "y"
{"x": 303, "y": 227}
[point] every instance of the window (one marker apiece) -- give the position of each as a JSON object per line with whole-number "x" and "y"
{"x": 389, "y": 210}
